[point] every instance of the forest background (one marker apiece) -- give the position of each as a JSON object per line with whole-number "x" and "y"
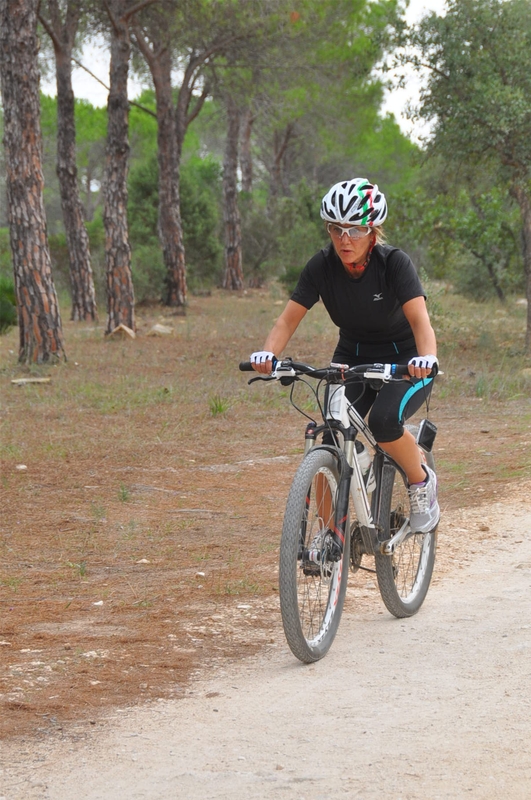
{"x": 250, "y": 112}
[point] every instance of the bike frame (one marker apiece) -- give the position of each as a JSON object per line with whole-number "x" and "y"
{"x": 341, "y": 415}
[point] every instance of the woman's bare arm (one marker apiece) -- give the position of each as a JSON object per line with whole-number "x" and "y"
{"x": 281, "y": 332}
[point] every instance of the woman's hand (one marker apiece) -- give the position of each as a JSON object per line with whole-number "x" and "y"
{"x": 262, "y": 361}
{"x": 423, "y": 366}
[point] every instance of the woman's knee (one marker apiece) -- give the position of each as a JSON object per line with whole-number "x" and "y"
{"x": 384, "y": 426}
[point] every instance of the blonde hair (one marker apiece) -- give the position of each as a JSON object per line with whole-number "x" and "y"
{"x": 379, "y": 232}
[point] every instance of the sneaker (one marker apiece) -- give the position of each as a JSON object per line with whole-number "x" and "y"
{"x": 425, "y": 511}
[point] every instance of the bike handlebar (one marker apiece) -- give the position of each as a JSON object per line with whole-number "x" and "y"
{"x": 289, "y": 368}
{"x": 245, "y": 366}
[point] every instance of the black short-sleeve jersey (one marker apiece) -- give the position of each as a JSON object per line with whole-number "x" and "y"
{"x": 367, "y": 310}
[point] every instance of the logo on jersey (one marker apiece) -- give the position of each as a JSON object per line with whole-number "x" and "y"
{"x": 378, "y": 296}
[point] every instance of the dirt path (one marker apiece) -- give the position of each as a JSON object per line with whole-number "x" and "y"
{"x": 438, "y": 706}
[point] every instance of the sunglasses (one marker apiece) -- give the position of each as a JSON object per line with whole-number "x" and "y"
{"x": 357, "y": 232}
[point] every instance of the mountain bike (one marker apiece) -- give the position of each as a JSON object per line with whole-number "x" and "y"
{"x": 348, "y": 504}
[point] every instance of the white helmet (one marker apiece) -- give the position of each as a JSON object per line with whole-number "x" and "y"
{"x": 358, "y": 202}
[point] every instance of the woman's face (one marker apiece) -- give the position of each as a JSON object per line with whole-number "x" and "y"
{"x": 350, "y": 250}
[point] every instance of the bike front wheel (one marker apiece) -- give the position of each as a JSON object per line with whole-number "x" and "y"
{"x": 403, "y": 577}
{"x": 312, "y": 592}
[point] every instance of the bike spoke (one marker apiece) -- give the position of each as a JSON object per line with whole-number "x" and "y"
{"x": 312, "y": 590}
{"x": 404, "y": 576}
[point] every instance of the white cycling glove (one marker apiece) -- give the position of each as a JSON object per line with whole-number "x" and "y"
{"x": 261, "y": 357}
{"x": 424, "y": 362}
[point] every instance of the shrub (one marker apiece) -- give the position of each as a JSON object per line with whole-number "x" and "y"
{"x": 201, "y": 217}
{"x": 8, "y": 304}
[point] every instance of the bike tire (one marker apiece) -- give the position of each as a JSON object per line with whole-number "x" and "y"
{"x": 311, "y": 604}
{"x": 405, "y": 576}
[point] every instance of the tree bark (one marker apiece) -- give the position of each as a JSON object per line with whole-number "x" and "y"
{"x": 233, "y": 275}
{"x": 281, "y": 142}
{"x": 81, "y": 280}
{"x": 489, "y": 266}
{"x": 522, "y": 198}
{"x": 246, "y": 157}
{"x": 168, "y": 156}
{"x": 119, "y": 282}
{"x": 170, "y": 225}
{"x": 156, "y": 52}
{"x": 40, "y": 329}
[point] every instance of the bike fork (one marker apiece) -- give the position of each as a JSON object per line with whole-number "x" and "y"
{"x": 341, "y": 514}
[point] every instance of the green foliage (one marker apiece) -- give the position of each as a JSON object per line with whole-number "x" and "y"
{"x": 91, "y": 129}
{"x": 148, "y": 271}
{"x": 143, "y": 202}
{"x": 143, "y": 127}
{"x": 8, "y": 304}
{"x": 478, "y": 98}
{"x": 457, "y": 225}
{"x": 479, "y": 85}
{"x": 48, "y": 117}
{"x": 301, "y": 231}
{"x": 201, "y": 220}
{"x": 60, "y": 260}
{"x": 259, "y": 240}
{"x": 218, "y": 405}
{"x": 6, "y": 262}
{"x": 279, "y": 237}
{"x": 462, "y": 233}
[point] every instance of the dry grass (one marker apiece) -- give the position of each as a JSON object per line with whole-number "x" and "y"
{"x": 140, "y": 543}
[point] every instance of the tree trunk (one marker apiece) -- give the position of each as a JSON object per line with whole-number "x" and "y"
{"x": 233, "y": 276}
{"x": 169, "y": 140}
{"x": 246, "y": 158}
{"x": 490, "y": 267}
{"x": 522, "y": 198}
{"x": 170, "y": 227}
{"x": 40, "y": 330}
{"x": 82, "y": 284}
{"x": 120, "y": 294}
{"x": 281, "y": 142}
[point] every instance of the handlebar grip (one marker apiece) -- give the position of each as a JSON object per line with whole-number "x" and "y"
{"x": 400, "y": 369}
{"x": 246, "y": 366}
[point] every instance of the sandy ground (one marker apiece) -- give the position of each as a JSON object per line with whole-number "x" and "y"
{"x": 438, "y": 706}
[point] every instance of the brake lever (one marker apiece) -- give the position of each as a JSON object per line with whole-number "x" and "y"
{"x": 260, "y": 378}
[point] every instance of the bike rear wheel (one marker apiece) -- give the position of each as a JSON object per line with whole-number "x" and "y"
{"x": 311, "y": 594}
{"x": 403, "y": 577}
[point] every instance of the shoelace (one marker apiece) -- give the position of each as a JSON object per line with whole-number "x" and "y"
{"x": 418, "y": 496}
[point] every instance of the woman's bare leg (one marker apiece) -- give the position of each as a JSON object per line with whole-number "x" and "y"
{"x": 405, "y": 452}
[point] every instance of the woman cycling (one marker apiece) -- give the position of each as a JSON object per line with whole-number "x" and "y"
{"x": 373, "y": 294}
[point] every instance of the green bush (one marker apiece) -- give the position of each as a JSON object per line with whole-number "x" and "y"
{"x": 8, "y": 304}
{"x": 301, "y": 231}
{"x": 201, "y": 221}
{"x": 6, "y": 261}
{"x": 148, "y": 272}
{"x": 60, "y": 261}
